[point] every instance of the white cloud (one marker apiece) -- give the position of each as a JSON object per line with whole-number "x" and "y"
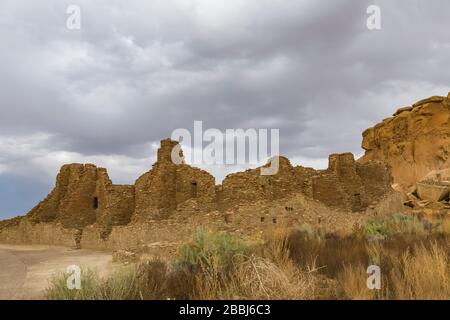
{"x": 31, "y": 156}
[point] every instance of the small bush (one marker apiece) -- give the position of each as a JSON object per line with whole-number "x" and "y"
{"x": 91, "y": 287}
{"x": 213, "y": 251}
{"x": 394, "y": 225}
{"x": 121, "y": 285}
{"x": 309, "y": 232}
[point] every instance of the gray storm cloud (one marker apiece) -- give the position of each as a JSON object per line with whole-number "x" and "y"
{"x": 137, "y": 70}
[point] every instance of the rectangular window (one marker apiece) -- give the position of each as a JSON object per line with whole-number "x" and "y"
{"x": 194, "y": 189}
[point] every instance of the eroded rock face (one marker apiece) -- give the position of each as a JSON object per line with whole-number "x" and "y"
{"x": 414, "y": 141}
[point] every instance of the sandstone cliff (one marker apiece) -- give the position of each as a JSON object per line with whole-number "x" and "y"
{"x": 414, "y": 141}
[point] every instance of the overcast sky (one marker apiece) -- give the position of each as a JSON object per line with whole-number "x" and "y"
{"x": 137, "y": 70}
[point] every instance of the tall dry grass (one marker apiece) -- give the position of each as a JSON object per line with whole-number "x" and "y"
{"x": 300, "y": 263}
{"x": 268, "y": 273}
{"x": 422, "y": 273}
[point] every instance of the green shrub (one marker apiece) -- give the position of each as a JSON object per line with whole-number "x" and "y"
{"x": 91, "y": 287}
{"x": 397, "y": 224}
{"x": 213, "y": 250}
{"x": 121, "y": 285}
{"x": 309, "y": 232}
{"x": 376, "y": 227}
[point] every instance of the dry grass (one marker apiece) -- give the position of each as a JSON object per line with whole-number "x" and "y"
{"x": 352, "y": 281}
{"x": 301, "y": 263}
{"x": 268, "y": 274}
{"x": 444, "y": 227}
{"x": 260, "y": 278}
{"x": 423, "y": 273}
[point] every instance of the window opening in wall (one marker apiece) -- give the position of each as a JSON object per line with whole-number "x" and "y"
{"x": 194, "y": 189}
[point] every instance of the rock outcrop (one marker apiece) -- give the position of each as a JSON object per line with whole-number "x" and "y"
{"x": 414, "y": 141}
{"x": 435, "y": 186}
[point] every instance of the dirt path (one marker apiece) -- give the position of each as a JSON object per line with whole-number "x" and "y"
{"x": 25, "y": 270}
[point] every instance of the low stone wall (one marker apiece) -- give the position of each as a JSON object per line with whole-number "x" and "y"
{"x": 135, "y": 236}
{"x": 164, "y": 237}
{"x": 41, "y": 233}
{"x": 391, "y": 203}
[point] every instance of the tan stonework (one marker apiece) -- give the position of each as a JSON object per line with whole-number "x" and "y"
{"x": 85, "y": 209}
{"x": 165, "y": 205}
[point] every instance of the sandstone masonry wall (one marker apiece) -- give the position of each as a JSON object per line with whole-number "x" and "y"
{"x": 41, "y": 233}
{"x": 85, "y": 209}
{"x": 250, "y": 186}
{"x": 350, "y": 185}
{"x": 159, "y": 191}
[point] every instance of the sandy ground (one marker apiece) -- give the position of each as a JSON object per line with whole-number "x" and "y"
{"x": 25, "y": 270}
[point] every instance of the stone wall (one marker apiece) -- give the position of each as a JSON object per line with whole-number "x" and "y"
{"x": 168, "y": 202}
{"x": 248, "y": 221}
{"x": 167, "y": 185}
{"x": 376, "y": 179}
{"x": 26, "y": 232}
{"x": 73, "y": 200}
{"x": 326, "y": 189}
{"x": 84, "y": 195}
{"x": 351, "y": 185}
{"x": 194, "y": 183}
{"x": 304, "y": 177}
{"x": 249, "y": 186}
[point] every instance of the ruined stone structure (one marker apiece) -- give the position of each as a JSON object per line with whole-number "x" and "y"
{"x": 86, "y": 209}
{"x": 351, "y": 185}
{"x": 159, "y": 191}
{"x": 84, "y": 195}
{"x": 345, "y": 184}
{"x": 165, "y": 205}
{"x": 414, "y": 141}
